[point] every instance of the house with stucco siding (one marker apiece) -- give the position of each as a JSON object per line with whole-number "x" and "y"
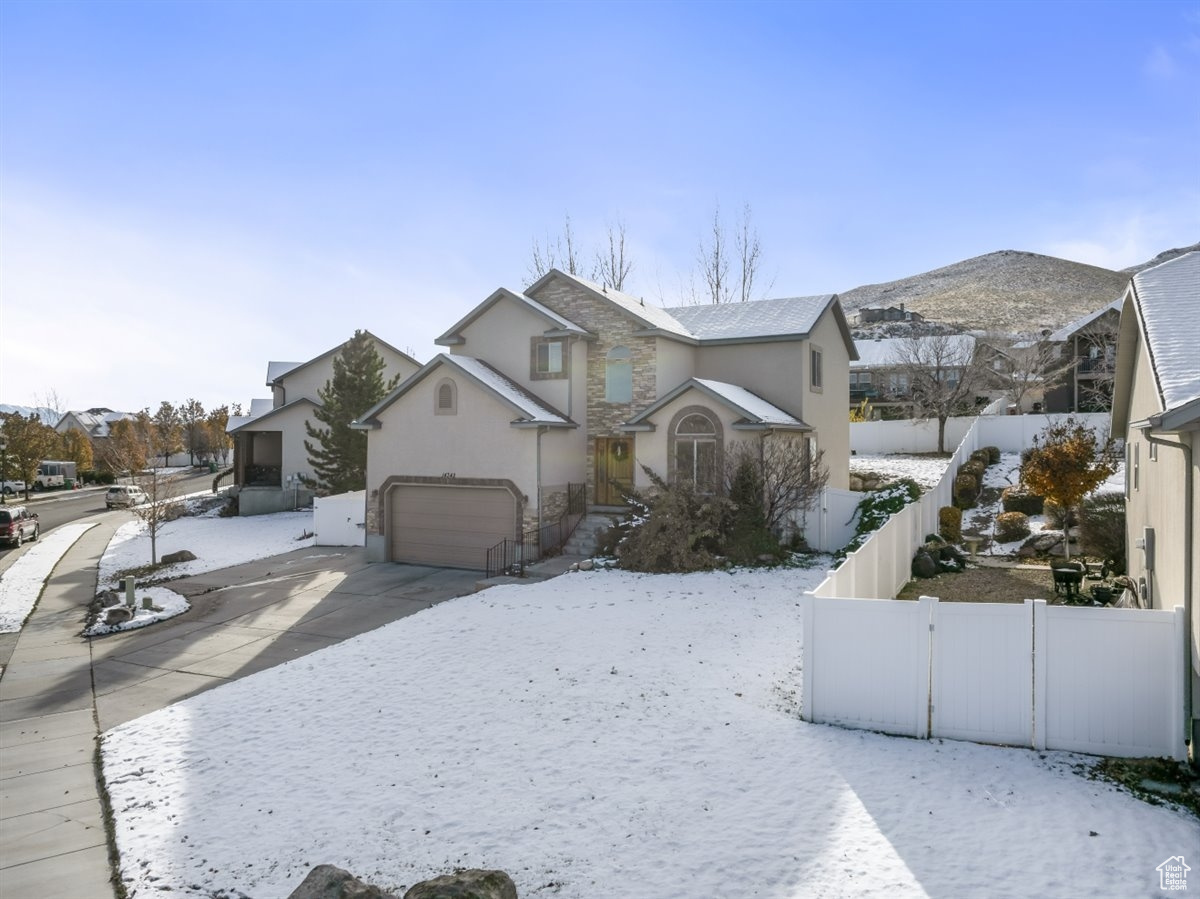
{"x": 1156, "y": 407}
{"x": 574, "y": 383}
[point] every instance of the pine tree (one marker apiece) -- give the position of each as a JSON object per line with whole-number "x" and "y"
{"x": 337, "y": 453}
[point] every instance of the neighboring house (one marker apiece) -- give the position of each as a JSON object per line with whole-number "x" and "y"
{"x": 1156, "y": 408}
{"x": 574, "y": 383}
{"x": 879, "y": 375}
{"x": 268, "y": 444}
{"x": 870, "y": 314}
{"x": 1087, "y": 356}
{"x": 95, "y": 423}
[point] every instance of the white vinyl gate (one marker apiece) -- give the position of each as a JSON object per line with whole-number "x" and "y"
{"x": 1096, "y": 680}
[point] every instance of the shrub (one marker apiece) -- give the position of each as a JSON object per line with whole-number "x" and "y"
{"x": 745, "y": 536}
{"x": 1058, "y": 517}
{"x": 877, "y": 507}
{"x": 982, "y": 455}
{"x": 1102, "y": 528}
{"x": 680, "y": 532}
{"x": 1014, "y": 499}
{"x": 1011, "y": 526}
{"x": 966, "y": 491}
{"x": 974, "y": 468}
{"x": 993, "y": 454}
{"x": 950, "y": 523}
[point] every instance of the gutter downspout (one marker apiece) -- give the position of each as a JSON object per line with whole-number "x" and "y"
{"x": 542, "y": 429}
{"x": 1188, "y": 563}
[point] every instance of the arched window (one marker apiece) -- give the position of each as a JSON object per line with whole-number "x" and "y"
{"x": 446, "y": 398}
{"x": 618, "y": 375}
{"x": 696, "y": 449}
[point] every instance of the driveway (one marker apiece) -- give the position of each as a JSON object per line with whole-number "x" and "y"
{"x": 58, "y": 691}
{"x": 256, "y": 616}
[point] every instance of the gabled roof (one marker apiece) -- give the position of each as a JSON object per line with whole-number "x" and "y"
{"x": 758, "y": 414}
{"x": 1161, "y": 309}
{"x": 650, "y": 317}
{"x": 97, "y": 422}
{"x": 252, "y": 422}
{"x": 279, "y": 370}
{"x": 790, "y": 317}
{"x": 885, "y": 351}
{"x": 555, "y": 322}
{"x": 531, "y": 411}
{"x": 1066, "y": 332}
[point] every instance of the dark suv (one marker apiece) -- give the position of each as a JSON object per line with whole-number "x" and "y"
{"x": 18, "y": 524}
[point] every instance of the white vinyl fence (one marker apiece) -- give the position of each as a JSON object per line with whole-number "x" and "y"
{"x": 340, "y": 520}
{"x": 1096, "y": 680}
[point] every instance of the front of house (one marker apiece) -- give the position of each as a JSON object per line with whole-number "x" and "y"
{"x": 574, "y": 383}
{"x": 1156, "y": 408}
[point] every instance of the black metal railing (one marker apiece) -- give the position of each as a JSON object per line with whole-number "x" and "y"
{"x": 223, "y": 478}
{"x": 510, "y": 556}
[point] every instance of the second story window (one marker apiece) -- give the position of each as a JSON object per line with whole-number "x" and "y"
{"x": 816, "y": 375}
{"x": 548, "y": 358}
{"x": 618, "y": 375}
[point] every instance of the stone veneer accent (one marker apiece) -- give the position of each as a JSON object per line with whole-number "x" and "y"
{"x": 613, "y": 327}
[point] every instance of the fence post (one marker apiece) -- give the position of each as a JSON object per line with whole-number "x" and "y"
{"x": 808, "y": 617}
{"x": 1179, "y": 672}
{"x": 926, "y": 606}
{"x": 1039, "y": 671}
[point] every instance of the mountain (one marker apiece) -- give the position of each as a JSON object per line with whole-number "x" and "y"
{"x": 47, "y": 415}
{"x": 1009, "y": 291}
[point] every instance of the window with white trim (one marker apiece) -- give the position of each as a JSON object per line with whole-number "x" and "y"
{"x": 618, "y": 375}
{"x": 548, "y": 358}
{"x": 816, "y": 375}
{"x": 696, "y": 445}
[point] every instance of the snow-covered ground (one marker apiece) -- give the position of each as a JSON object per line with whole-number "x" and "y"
{"x": 601, "y": 734}
{"x": 925, "y": 470}
{"x": 21, "y": 584}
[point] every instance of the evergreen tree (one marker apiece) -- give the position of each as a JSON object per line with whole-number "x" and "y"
{"x": 337, "y": 453}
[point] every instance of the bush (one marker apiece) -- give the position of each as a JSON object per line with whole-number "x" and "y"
{"x": 745, "y": 537}
{"x": 975, "y": 468}
{"x": 993, "y": 454}
{"x": 1102, "y": 528}
{"x": 877, "y": 507}
{"x": 982, "y": 455}
{"x": 1014, "y": 499}
{"x": 950, "y": 523}
{"x": 966, "y": 491}
{"x": 680, "y": 532}
{"x": 1011, "y": 526}
{"x": 1056, "y": 516}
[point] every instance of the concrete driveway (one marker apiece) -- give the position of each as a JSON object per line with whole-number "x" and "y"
{"x": 58, "y": 690}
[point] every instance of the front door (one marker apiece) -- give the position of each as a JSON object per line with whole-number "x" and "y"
{"x": 614, "y": 470}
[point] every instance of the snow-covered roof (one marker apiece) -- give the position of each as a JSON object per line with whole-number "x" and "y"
{"x": 756, "y": 410}
{"x": 243, "y": 421}
{"x": 651, "y": 316}
{"x": 98, "y": 424}
{"x": 530, "y": 409}
{"x": 1066, "y": 332}
{"x": 1168, "y": 297}
{"x": 276, "y": 370}
{"x": 759, "y": 318}
{"x": 887, "y": 351}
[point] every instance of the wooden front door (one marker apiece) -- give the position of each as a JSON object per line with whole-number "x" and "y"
{"x": 614, "y": 470}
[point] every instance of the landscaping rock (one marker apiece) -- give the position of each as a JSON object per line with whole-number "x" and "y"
{"x": 469, "y": 884}
{"x": 331, "y": 882}
{"x": 924, "y": 565}
{"x": 182, "y": 556}
{"x": 118, "y": 614}
{"x": 587, "y": 565}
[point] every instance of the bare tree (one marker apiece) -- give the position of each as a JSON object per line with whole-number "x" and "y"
{"x": 612, "y": 265}
{"x": 942, "y": 373}
{"x": 793, "y": 475}
{"x": 728, "y": 267}
{"x": 1026, "y": 363}
{"x": 1093, "y": 352}
{"x": 561, "y": 253}
{"x": 162, "y": 492}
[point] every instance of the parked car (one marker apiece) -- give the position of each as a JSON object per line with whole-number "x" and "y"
{"x": 125, "y": 495}
{"x": 11, "y": 487}
{"x": 18, "y": 524}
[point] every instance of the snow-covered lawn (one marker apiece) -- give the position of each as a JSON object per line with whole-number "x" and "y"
{"x": 925, "y": 470}
{"x": 21, "y": 584}
{"x": 601, "y": 734}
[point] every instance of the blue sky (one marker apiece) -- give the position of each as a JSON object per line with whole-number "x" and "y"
{"x": 189, "y": 190}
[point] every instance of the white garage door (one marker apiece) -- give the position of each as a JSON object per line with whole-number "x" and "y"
{"x": 449, "y": 525}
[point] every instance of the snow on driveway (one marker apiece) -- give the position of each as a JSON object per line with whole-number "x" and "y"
{"x": 21, "y": 584}
{"x": 600, "y": 734}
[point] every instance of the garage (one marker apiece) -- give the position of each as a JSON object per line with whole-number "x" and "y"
{"x": 449, "y": 525}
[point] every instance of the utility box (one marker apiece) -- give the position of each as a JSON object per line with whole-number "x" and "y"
{"x": 127, "y": 585}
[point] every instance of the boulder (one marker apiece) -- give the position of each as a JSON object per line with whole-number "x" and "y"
{"x": 182, "y": 556}
{"x": 587, "y": 565}
{"x": 331, "y": 882}
{"x": 924, "y": 565}
{"x": 469, "y": 884}
{"x": 118, "y": 614}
